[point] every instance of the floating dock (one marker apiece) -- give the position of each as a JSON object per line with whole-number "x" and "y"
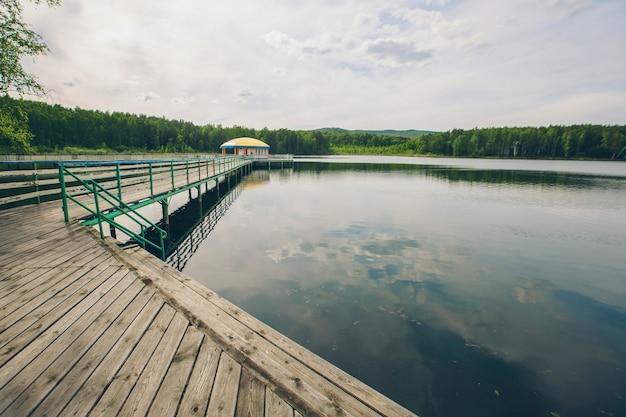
{"x": 89, "y": 328}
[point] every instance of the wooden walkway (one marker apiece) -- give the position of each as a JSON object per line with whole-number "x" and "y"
{"x": 87, "y": 328}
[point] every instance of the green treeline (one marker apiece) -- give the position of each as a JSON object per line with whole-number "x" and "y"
{"x": 54, "y": 128}
{"x": 577, "y": 141}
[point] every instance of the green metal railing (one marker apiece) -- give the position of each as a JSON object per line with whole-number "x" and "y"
{"x": 142, "y": 183}
{"x": 34, "y": 181}
{"x": 99, "y": 193}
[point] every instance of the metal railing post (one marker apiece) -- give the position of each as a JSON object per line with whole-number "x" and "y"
{"x": 142, "y": 234}
{"x": 151, "y": 184}
{"x": 119, "y": 181}
{"x": 172, "y": 173}
{"x": 63, "y": 194}
{"x": 95, "y": 197}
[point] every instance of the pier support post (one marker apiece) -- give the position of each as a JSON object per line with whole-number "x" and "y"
{"x": 199, "y": 188}
{"x": 166, "y": 215}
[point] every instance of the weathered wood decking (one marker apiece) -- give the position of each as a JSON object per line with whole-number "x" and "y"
{"x": 87, "y": 328}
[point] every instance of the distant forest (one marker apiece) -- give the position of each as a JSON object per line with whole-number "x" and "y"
{"x": 54, "y": 128}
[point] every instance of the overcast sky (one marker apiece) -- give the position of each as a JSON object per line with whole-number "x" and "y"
{"x": 303, "y": 64}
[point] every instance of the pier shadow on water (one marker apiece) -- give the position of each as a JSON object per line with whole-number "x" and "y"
{"x": 192, "y": 223}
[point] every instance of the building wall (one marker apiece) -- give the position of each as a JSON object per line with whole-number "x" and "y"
{"x": 256, "y": 152}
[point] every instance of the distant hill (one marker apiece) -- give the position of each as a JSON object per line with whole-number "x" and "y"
{"x": 411, "y": 133}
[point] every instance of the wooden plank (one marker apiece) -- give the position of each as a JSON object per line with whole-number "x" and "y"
{"x": 173, "y": 386}
{"x": 13, "y": 236}
{"x": 23, "y": 287}
{"x": 107, "y": 371}
{"x": 39, "y": 340}
{"x": 42, "y": 281}
{"x": 8, "y": 175}
{"x": 17, "y": 231}
{"x": 67, "y": 387}
{"x": 80, "y": 254}
{"x": 88, "y": 248}
{"x": 117, "y": 392}
{"x": 10, "y": 282}
{"x": 19, "y": 190}
{"x": 44, "y": 194}
{"x": 28, "y": 223}
{"x": 16, "y": 182}
{"x": 196, "y": 397}
{"x": 35, "y": 358}
{"x": 17, "y": 304}
{"x": 30, "y": 289}
{"x": 275, "y": 406}
{"x": 68, "y": 349}
{"x": 31, "y": 247}
{"x": 83, "y": 257}
{"x": 30, "y": 326}
{"x": 43, "y": 253}
{"x": 144, "y": 391}
{"x": 42, "y": 243}
{"x": 223, "y": 398}
{"x": 251, "y": 400}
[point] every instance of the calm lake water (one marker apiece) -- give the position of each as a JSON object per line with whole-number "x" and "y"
{"x": 455, "y": 287}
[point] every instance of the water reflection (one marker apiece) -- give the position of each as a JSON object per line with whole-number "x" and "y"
{"x": 454, "y": 294}
{"x": 192, "y": 223}
{"x": 487, "y": 176}
{"x": 427, "y": 368}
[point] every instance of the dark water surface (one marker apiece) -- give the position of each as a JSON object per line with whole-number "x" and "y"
{"x": 455, "y": 287}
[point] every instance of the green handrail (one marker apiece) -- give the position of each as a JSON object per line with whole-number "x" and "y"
{"x": 97, "y": 189}
{"x": 100, "y": 192}
{"x": 105, "y": 194}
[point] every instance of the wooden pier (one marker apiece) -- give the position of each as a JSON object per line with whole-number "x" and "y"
{"x": 88, "y": 328}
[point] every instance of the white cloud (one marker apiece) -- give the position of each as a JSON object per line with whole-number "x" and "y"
{"x": 279, "y": 71}
{"x": 571, "y": 7}
{"x": 74, "y": 82}
{"x": 242, "y": 96}
{"x": 426, "y": 64}
{"x": 321, "y": 45}
{"x": 149, "y": 96}
{"x": 183, "y": 100}
{"x": 394, "y": 52}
